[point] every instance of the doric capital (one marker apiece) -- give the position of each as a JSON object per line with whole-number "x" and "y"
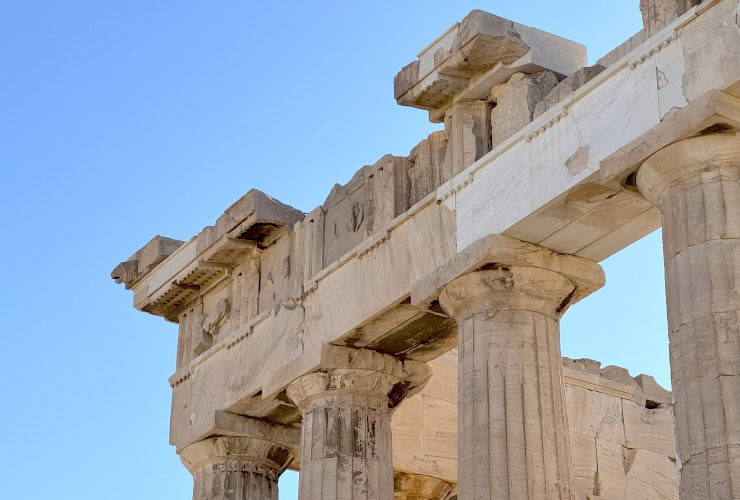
{"x": 235, "y": 454}
{"x": 682, "y": 161}
{"x": 505, "y": 273}
{"x": 508, "y": 258}
{"x": 360, "y": 373}
{"x": 507, "y": 288}
{"x": 414, "y": 486}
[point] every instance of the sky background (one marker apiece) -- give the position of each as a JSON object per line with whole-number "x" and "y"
{"x": 123, "y": 120}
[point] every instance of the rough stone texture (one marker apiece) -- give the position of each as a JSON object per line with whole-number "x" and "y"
{"x": 656, "y": 14}
{"x": 450, "y": 69}
{"x": 566, "y": 87}
{"x": 620, "y": 448}
{"x": 143, "y": 261}
{"x": 516, "y": 101}
{"x": 604, "y": 466}
{"x": 229, "y": 467}
{"x": 419, "y": 487}
{"x": 468, "y": 126}
{"x": 266, "y": 288}
{"x": 346, "y": 450}
{"x": 696, "y": 184}
{"x": 622, "y": 49}
{"x": 512, "y": 426}
{"x": 428, "y": 168}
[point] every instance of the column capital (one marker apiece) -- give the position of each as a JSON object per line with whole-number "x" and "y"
{"x": 415, "y": 486}
{"x": 523, "y": 272}
{"x": 681, "y": 161}
{"x": 237, "y": 454}
{"x": 501, "y": 254}
{"x": 507, "y": 288}
{"x": 362, "y": 373}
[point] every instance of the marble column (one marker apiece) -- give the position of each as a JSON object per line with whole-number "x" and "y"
{"x": 346, "y": 448}
{"x": 513, "y": 437}
{"x": 421, "y": 487}
{"x": 696, "y": 185}
{"x": 235, "y": 468}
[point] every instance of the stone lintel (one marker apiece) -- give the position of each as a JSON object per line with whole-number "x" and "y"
{"x": 502, "y": 250}
{"x": 473, "y": 55}
{"x": 714, "y": 110}
{"x": 223, "y": 423}
{"x": 248, "y": 226}
{"x": 330, "y": 357}
{"x": 144, "y": 260}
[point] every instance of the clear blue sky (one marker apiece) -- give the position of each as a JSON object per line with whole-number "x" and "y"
{"x": 122, "y": 120}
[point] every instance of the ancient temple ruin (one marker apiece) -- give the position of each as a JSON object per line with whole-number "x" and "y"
{"x": 403, "y": 337}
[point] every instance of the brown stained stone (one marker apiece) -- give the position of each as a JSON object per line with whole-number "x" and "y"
{"x": 231, "y": 467}
{"x": 346, "y": 450}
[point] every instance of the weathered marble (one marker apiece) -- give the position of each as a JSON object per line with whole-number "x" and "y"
{"x": 236, "y": 467}
{"x": 696, "y": 184}
{"x": 346, "y": 450}
{"x": 529, "y": 177}
{"x": 420, "y": 487}
{"x": 512, "y": 428}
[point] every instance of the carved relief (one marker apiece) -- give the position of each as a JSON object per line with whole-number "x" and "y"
{"x": 205, "y": 333}
{"x": 125, "y": 272}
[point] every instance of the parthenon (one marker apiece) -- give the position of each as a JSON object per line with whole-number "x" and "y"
{"x": 402, "y": 340}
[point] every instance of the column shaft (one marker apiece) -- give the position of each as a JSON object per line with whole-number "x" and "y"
{"x": 512, "y": 423}
{"x": 346, "y": 448}
{"x": 696, "y": 183}
{"x": 229, "y": 481}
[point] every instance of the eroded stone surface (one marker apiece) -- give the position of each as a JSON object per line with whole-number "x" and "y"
{"x": 512, "y": 436}
{"x": 516, "y": 101}
{"x": 261, "y": 295}
{"x": 346, "y": 449}
{"x": 656, "y": 14}
{"x": 696, "y": 183}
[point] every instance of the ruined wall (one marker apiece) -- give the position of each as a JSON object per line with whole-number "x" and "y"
{"x": 621, "y": 431}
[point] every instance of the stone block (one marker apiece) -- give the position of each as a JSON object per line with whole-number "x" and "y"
{"x": 427, "y": 170}
{"x": 566, "y": 87}
{"x": 611, "y": 482}
{"x": 653, "y": 393}
{"x": 656, "y": 14}
{"x": 651, "y": 476}
{"x": 594, "y": 414}
{"x": 583, "y": 454}
{"x": 481, "y": 51}
{"x": 649, "y": 429}
{"x": 516, "y": 101}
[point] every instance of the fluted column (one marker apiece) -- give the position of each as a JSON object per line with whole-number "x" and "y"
{"x": 346, "y": 429}
{"x": 420, "y": 487}
{"x": 512, "y": 422}
{"x": 236, "y": 467}
{"x": 696, "y": 185}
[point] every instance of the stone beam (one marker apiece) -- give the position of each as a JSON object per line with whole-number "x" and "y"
{"x": 474, "y": 55}
{"x": 544, "y": 184}
{"x": 263, "y": 293}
